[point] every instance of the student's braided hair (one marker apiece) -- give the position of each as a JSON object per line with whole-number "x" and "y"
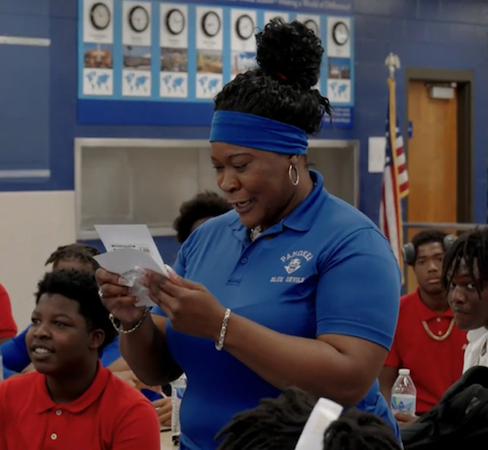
{"x": 79, "y": 252}
{"x": 357, "y": 430}
{"x": 276, "y": 424}
{"x": 470, "y": 246}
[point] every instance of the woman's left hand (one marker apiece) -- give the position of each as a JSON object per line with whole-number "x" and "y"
{"x": 191, "y": 308}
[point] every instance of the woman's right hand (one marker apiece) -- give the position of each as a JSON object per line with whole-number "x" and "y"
{"x": 116, "y": 297}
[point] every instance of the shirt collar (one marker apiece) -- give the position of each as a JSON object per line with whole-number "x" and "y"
{"x": 427, "y": 314}
{"x": 300, "y": 219}
{"x": 475, "y": 335}
{"x": 46, "y": 403}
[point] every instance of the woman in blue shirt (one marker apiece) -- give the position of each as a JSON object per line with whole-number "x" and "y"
{"x": 294, "y": 287}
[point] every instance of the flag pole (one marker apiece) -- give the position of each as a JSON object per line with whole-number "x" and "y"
{"x": 392, "y": 62}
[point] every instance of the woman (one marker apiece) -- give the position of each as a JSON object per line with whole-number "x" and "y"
{"x": 298, "y": 287}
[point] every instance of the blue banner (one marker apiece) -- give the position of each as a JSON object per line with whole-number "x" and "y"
{"x": 161, "y": 63}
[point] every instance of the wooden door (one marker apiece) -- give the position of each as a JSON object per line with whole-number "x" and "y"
{"x": 431, "y": 160}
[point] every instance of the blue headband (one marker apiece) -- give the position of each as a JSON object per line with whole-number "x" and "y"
{"x": 248, "y": 130}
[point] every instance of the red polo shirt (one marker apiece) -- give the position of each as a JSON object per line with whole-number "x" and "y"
{"x": 110, "y": 415}
{"x": 434, "y": 365}
{"x": 8, "y": 329}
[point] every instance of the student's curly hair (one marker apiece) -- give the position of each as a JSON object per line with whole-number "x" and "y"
{"x": 276, "y": 424}
{"x": 472, "y": 247}
{"x": 79, "y": 252}
{"x": 282, "y": 87}
{"x": 203, "y": 206}
{"x": 81, "y": 287}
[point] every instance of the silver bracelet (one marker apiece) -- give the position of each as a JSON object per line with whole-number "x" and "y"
{"x": 120, "y": 330}
{"x": 223, "y": 330}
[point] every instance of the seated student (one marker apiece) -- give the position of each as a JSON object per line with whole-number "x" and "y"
{"x": 276, "y": 424}
{"x": 427, "y": 341}
{"x": 198, "y": 210}
{"x": 465, "y": 277}
{"x": 8, "y": 328}
{"x": 71, "y": 401}
{"x": 16, "y": 356}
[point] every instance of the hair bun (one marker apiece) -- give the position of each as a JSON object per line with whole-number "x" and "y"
{"x": 290, "y": 51}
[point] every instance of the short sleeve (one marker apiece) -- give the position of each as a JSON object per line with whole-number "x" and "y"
{"x": 358, "y": 292}
{"x": 179, "y": 268}
{"x": 8, "y": 329}
{"x": 14, "y": 353}
{"x": 138, "y": 428}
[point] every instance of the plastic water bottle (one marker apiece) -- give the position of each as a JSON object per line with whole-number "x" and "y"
{"x": 178, "y": 388}
{"x": 404, "y": 393}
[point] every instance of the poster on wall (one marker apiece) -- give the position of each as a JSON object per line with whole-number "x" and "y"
{"x": 136, "y": 42}
{"x": 339, "y": 60}
{"x": 173, "y": 79}
{"x": 97, "y": 48}
{"x": 243, "y": 42}
{"x": 209, "y": 45}
{"x": 157, "y": 62}
{"x": 269, "y": 15}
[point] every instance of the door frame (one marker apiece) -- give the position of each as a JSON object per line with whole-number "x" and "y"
{"x": 465, "y": 131}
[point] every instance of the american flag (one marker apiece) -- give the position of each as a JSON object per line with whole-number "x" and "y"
{"x": 395, "y": 179}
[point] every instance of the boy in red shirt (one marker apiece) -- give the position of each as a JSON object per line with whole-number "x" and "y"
{"x": 427, "y": 340}
{"x": 8, "y": 329}
{"x": 71, "y": 401}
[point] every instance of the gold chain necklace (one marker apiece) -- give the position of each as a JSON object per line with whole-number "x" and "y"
{"x": 438, "y": 338}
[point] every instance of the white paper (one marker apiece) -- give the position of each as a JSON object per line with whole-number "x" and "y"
{"x": 324, "y": 413}
{"x": 125, "y": 261}
{"x": 376, "y": 154}
{"x": 137, "y": 237}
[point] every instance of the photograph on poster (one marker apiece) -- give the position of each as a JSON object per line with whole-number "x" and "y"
{"x": 174, "y": 73}
{"x": 209, "y": 43}
{"x": 136, "y": 75}
{"x": 173, "y": 78}
{"x": 269, "y": 15}
{"x": 339, "y": 68}
{"x": 98, "y": 56}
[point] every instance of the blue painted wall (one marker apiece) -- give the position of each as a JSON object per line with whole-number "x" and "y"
{"x": 41, "y": 84}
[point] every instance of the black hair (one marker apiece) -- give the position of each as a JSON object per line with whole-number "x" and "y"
{"x": 471, "y": 246}
{"x": 79, "y": 252}
{"x": 276, "y": 424}
{"x": 203, "y": 205}
{"x": 79, "y": 286}
{"x": 289, "y": 57}
{"x": 358, "y": 430}
{"x": 428, "y": 237}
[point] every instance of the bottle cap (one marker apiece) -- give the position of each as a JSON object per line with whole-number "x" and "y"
{"x": 404, "y": 372}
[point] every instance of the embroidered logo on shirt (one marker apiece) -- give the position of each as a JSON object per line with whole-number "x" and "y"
{"x": 292, "y": 262}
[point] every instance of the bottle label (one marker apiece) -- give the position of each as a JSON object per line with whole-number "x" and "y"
{"x": 403, "y": 403}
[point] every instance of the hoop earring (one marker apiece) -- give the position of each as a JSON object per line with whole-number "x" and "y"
{"x": 297, "y": 178}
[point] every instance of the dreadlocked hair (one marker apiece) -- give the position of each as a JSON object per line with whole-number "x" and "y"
{"x": 79, "y": 252}
{"x": 359, "y": 430}
{"x": 275, "y": 424}
{"x": 470, "y": 246}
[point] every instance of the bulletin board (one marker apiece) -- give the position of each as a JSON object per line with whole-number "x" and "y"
{"x": 159, "y": 63}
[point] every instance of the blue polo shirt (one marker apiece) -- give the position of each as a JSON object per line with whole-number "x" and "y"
{"x": 324, "y": 269}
